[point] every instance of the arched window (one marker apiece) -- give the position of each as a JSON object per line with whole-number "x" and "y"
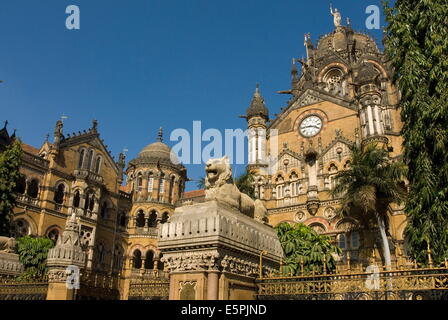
{"x": 150, "y": 183}
{"x": 165, "y": 217}
{"x": 21, "y": 185}
{"x": 59, "y": 194}
{"x": 280, "y": 187}
{"x": 160, "y": 264}
{"x": 354, "y": 240}
{"x": 333, "y": 77}
{"x": 152, "y": 221}
{"x": 170, "y": 194}
{"x": 139, "y": 182}
{"x": 333, "y": 170}
{"x": 137, "y": 259}
{"x": 140, "y": 221}
{"x": 81, "y": 159}
{"x": 347, "y": 164}
{"x": 89, "y": 159}
{"x": 118, "y": 257}
{"x": 33, "y": 188}
{"x": 103, "y": 212}
{"x": 342, "y": 241}
{"x": 149, "y": 262}
{"x": 101, "y": 254}
{"x": 53, "y": 234}
{"x": 97, "y": 164}
{"x": 90, "y": 201}
{"x": 21, "y": 228}
{"x": 76, "y": 199}
{"x": 161, "y": 186}
{"x": 123, "y": 219}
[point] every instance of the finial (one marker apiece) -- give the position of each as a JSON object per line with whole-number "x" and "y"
{"x": 348, "y": 21}
{"x": 94, "y": 124}
{"x": 160, "y": 135}
{"x": 257, "y": 90}
{"x": 6, "y": 124}
{"x": 47, "y": 136}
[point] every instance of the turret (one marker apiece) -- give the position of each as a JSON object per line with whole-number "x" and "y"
{"x": 58, "y": 136}
{"x": 257, "y": 116}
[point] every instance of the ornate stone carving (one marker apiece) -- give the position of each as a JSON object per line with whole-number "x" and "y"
{"x": 68, "y": 249}
{"x": 300, "y": 216}
{"x": 192, "y": 261}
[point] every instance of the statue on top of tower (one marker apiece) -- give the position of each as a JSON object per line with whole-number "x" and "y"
{"x": 336, "y": 16}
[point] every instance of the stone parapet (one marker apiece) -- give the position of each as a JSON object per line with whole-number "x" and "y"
{"x": 10, "y": 264}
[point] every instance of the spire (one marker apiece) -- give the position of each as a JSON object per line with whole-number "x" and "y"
{"x": 94, "y": 125}
{"x": 6, "y": 124}
{"x": 257, "y": 91}
{"x": 309, "y": 48}
{"x": 257, "y": 106}
{"x": 160, "y": 135}
{"x": 294, "y": 70}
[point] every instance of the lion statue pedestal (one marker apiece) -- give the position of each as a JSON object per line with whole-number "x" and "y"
{"x": 212, "y": 249}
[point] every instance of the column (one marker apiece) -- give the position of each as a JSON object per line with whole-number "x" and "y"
{"x": 378, "y": 120}
{"x": 370, "y": 120}
{"x": 212, "y": 284}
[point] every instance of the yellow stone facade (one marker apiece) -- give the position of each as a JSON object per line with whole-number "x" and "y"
{"x": 343, "y": 96}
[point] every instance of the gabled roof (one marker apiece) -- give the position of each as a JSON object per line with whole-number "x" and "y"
{"x": 309, "y": 97}
{"x": 30, "y": 149}
{"x": 91, "y": 137}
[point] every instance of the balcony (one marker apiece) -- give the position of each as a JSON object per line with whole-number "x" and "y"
{"x": 88, "y": 175}
{"x": 144, "y": 274}
{"x": 27, "y": 200}
{"x": 146, "y": 231}
{"x": 86, "y": 213}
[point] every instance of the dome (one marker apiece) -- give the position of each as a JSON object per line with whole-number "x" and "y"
{"x": 157, "y": 149}
{"x": 157, "y": 153}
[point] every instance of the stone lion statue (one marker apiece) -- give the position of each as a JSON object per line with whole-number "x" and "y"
{"x": 7, "y": 245}
{"x": 220, "y": 187}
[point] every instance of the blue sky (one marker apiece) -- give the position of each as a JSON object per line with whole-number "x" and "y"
{"x": 141, "y": 64}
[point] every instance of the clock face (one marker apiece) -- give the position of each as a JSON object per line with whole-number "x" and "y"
{"x": 310, "y": 126}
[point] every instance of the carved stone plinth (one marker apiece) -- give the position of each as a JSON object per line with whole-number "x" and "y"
{"x": 64, "y": 263}
{"x": 213, "y": 251}
{"x": 10, "y": 264}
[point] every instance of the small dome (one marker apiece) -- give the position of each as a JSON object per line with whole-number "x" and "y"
{"x": 257, "y": 107}
{"x": 157, "y": 152}
{"x": 157, "y": 149}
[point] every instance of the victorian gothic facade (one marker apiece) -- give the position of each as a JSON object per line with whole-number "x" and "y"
{"x": 343, "y": 95}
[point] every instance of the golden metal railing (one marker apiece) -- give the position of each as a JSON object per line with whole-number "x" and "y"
{"x": 358, "y": 283}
